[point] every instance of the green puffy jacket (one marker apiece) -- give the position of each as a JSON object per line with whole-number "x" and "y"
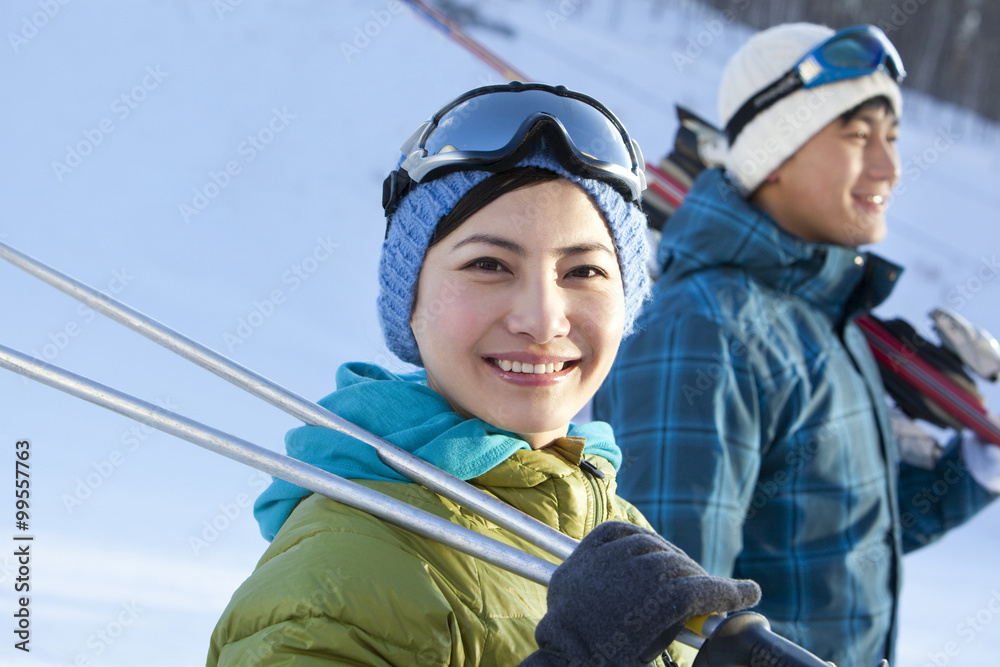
{"x": 338, "y": 586}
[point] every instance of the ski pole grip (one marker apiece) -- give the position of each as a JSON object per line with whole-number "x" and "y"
{"x": 745, "y": 639}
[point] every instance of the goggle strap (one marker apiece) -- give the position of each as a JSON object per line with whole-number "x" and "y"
{"x": 762, "y": 101}
{"x": 394, "y": 188}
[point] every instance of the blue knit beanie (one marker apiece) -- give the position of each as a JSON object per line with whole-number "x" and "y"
{"x": 419, "y": 212}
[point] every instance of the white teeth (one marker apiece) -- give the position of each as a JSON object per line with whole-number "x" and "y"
{"x": 518, "y": 367}
{"x": 876, "y": 199}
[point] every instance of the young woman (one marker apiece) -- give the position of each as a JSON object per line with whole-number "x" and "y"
{"x": 513, "y": 264}
{"x": 750, "y": 395}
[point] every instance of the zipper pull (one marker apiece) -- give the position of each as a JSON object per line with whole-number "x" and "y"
{"x": 589, "y": 467}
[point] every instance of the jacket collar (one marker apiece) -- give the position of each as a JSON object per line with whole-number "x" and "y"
{"x": 527, "y": 468}
{"x": 403, "y": 410}
{"x": 718, "y": 228}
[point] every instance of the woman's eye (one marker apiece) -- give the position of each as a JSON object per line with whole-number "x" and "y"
{"x": 486, "y": 264}
{"x": 588, "y": 272}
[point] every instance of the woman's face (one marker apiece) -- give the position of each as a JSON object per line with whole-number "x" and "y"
{"x": 520, "y": 310}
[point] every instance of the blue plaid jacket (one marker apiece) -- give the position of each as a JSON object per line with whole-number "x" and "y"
{"x": 754, "y": 429}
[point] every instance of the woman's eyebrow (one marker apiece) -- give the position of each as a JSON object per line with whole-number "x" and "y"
{"x": 581, "y": 248}
{"x": 489, "y": 239}
{"x": 517, "y": 249}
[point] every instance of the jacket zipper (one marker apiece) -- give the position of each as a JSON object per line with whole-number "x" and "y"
{"x": 594, "y": 475}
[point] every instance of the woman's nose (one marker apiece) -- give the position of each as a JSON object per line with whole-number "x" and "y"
{"x": 539, "y": 311}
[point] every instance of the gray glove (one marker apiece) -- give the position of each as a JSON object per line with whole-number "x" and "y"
{"x": 623, "y": 595}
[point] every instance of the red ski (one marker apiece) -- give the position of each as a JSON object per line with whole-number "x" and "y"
{"x": 895, "y": 357}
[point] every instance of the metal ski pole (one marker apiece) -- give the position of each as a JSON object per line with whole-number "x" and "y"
{"x": 292, "y": 470}
{"x": 401, "y": 461}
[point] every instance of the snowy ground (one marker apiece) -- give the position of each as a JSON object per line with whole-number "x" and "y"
{"x": 218, "y": 166}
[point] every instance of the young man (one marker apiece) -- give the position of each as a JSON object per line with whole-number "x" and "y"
{"x": 749, "y": 407}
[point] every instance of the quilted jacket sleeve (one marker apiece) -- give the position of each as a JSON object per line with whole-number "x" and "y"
{"x": 316, "y": 603}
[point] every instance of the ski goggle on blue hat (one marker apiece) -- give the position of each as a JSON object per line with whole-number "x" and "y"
{"x": 492, "y": 128}
{"x": 849, "y": 54}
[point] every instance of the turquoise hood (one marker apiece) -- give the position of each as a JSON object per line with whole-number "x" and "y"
{"x": 403, "y": 410}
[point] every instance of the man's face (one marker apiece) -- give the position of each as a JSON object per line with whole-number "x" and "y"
{"x": 836, "y": 188}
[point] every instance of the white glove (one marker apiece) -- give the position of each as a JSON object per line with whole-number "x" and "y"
{"x": 982, "y": 458}
{"x": 917, "y": 446}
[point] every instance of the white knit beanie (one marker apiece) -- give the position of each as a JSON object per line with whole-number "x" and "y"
{"x": 776, "y": 133}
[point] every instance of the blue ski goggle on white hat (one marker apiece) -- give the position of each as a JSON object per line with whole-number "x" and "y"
{"x": 848, "y": 54}
{"x": 493, "y": 127}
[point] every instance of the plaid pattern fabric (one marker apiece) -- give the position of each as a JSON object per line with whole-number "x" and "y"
{"x": 754, "y": 432}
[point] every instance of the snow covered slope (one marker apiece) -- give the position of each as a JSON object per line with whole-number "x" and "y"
{"x": 218, "y": 166}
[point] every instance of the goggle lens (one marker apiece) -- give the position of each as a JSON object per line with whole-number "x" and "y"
{"x": 851, "y": 53}
{"x": 491, "y": 128}
{"x": 858, "y": 51}
{"x": 487, "y": 124}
